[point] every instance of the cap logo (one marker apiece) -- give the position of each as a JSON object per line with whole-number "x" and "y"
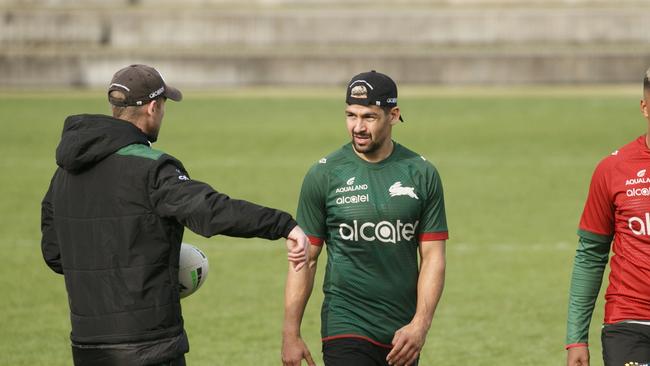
{"x": 359, "y": 91}
{"x": 391, "y": 100}
{"x": 157, "y": 92}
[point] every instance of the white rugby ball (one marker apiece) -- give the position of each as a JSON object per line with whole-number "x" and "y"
{"x": 192, "y": 269}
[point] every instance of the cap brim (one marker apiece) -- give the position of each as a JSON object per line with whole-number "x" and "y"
{"x": 173, "y": 93}
{"x": 360, "y": 101}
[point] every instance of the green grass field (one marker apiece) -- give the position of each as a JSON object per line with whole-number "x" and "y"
{"x": 515, "y": 165}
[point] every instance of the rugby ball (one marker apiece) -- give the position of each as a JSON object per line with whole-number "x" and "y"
{"x": 192, "y": 269}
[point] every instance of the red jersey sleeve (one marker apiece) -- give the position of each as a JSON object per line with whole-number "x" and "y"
{"x": 598, "y": 214}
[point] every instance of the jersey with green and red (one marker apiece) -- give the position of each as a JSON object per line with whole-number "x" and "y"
{"x": 618, "y": 205}
{"x": 372, "y": 216}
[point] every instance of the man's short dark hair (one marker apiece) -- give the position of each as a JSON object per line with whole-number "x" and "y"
{"x": 387, "y": 110}
{"x": 646, "y": 81}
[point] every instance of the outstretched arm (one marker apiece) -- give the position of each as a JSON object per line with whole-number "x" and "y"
{"x": 297, "y": 248}
{"x": 207, "y": 212}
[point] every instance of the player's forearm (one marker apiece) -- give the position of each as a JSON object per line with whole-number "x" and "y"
{"x": 297, "y": 292}
{"x": 430, "y": 283}
{"x": 588, "y": 268}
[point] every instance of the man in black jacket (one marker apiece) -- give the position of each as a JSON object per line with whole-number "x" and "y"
{"x": 113, "y": 220}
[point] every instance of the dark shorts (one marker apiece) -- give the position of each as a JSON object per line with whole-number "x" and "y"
{"x": 626, "y": 344}
{"x": 353, "y": 351}
{"x": 177, "y": 362}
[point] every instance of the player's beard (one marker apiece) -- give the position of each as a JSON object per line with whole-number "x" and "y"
{"x": 368, "y": 148}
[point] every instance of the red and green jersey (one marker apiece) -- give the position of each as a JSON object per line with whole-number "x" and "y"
{"x": 618, "y": 207}
{"x": 372, "y": 216}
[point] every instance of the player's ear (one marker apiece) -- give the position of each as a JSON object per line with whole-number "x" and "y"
{"x": 644, "y": 108}
{"x": 152, "y": 107}
{"x": 394, "y": 116}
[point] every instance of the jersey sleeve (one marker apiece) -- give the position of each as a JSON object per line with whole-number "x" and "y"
{"x": 586, "y": 278}
{"x": 433, "y": 220}
{"x": 311, "y": 213}
{"x": 598, "y": 214}
{"x": 596, "y": 231}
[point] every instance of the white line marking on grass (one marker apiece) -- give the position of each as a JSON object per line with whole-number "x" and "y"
{"x": 511, "y": 247}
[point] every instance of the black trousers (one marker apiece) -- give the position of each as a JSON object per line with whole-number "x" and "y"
{"x": 626, "y": 344}
{"x": 98, "y": 357}
{"x": 354, "y": 352}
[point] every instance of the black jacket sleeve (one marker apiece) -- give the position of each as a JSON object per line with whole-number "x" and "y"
{"x": 207, "y": 212}
{"x": 49, "y": 243}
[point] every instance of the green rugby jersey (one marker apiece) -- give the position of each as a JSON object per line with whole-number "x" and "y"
{"x": 372, "y": 217}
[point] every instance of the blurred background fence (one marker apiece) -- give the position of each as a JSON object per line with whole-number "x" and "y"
{"x": 217, "y": 43}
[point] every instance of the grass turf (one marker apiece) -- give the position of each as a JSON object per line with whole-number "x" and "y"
{"x": 515, "y": 167}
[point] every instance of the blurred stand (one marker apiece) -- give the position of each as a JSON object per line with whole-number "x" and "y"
{"x": 223, "y": 43}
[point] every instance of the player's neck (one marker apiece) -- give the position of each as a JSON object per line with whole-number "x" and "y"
{"x": 378, "y": 155}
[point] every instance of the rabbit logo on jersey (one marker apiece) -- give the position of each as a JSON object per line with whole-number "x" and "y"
{"x": 398, "y": 190}
{"x": 384, "y": 231}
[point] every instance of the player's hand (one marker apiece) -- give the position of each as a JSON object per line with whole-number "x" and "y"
{"x": 577, "y": 356}
{"x": 297, "y": 248}
{"x": 407, "y": 344}
{"x": 294, "y": 350}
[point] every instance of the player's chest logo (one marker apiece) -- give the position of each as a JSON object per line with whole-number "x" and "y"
{"x": 350, "y": 186}
{"x": 352, "y": 193}
{"x": 640, "y": 178}
{"x": 633, "y": 200}
{"x": 639, "y": 185}
{"x": 398, "y": 190}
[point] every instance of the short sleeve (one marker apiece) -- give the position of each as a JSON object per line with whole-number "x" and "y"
{"x": 433, "y": 220}
{"x": 311, "y": 213}
{"x": 598, "y": 214}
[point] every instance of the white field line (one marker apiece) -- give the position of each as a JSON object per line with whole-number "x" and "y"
{"x": 511, "y": 247}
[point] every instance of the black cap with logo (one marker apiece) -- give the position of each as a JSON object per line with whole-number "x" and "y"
{"x": 140, "y": 84}
{"x": 372, "y": 88}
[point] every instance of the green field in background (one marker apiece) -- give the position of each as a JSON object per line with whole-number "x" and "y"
{"x": 515, "y": 167}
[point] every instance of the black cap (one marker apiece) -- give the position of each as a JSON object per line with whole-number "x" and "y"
{"x": 141, "y": 84}
{"x": 372, "y": 88}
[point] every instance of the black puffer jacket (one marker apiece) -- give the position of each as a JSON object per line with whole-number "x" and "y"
{"x": 112, "y": 224}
